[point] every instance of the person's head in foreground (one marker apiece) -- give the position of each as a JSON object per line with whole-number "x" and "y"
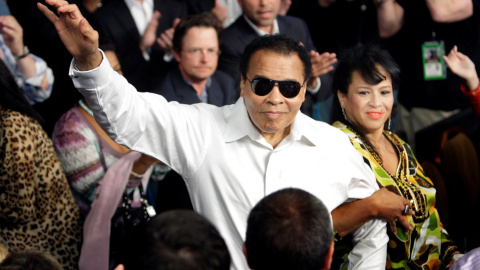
{"x": 363, "y": 89}
{"x": 289, "y": 229}
{"x": 274, "y": 71}
{"x": 183, "y": 240}
{"x": 30, "y": 260}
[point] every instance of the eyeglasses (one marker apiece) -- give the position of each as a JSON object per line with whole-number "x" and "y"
{"x": 197, "y": 52}
{"x": 262, "y": 86}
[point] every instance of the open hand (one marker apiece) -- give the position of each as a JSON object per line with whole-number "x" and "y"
{"x": 150, "y": 34}
{"x": 78, "y": 36}
{"x": 220, "y": 12}
{"x": 166, "y": 38}
{"x": 462, "y": 66}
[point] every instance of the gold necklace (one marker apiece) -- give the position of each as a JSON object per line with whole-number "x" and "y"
{"x": 407, "y": 189}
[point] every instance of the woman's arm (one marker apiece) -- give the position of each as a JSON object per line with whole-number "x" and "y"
{"x": 382, "y": 204}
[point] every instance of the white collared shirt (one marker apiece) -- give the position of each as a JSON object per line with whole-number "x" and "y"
{"x": 227, "y": 164}
{"x": 233, "y": 11}
{"x": 275, "y": 30}
{"x": 142, "y": 13}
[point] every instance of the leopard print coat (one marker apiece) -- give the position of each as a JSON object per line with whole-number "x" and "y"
{"x": 37, "y": 209}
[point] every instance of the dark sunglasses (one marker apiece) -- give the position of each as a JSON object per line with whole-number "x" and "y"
{"x": 263, "y": 86}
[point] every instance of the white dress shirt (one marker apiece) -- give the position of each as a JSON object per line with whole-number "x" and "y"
{"x": 142, "y": 13}
{"x": 226, "y": 163}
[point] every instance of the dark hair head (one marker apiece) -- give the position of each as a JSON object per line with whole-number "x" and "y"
{"x": 205, "y": 19}
{"x": 183, "y": 240}
{"x": 12, "y": 97}
{"x": 30, "y": 260}
{"x": 288, "y": 229}
{"x": 365, "y": 59}
{"x": 279, "y": 44}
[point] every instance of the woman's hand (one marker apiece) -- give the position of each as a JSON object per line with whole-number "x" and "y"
{"x": 391, "y": 207}
{"x": 142, "y": 164}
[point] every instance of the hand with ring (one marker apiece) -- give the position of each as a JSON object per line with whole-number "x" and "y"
{"x": 407, "y": 210}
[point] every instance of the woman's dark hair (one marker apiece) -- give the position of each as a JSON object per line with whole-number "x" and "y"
{"x": 365, "y": 59}
{"x": 12, "y": 97}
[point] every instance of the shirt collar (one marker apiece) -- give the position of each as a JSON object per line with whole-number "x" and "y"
{"x": 259, "y": 32}
{"x": 239, "y": 126}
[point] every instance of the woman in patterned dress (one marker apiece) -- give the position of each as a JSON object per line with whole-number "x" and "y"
{"x": 37, "y": 209}
{"x": 363, "y": 86}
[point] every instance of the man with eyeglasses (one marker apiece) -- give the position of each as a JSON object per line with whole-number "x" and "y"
{"x": 196, "y": 49}
{"x": 232, "y": 156}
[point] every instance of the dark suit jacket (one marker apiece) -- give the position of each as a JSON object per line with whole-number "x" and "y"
{"x": 236, "y": 37}
{"x": 220, "y": 92}
{"x": 115, "y": 22}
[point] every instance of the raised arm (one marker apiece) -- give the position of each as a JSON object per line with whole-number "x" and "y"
{"x": 31, "y": 72}
{"x": 78, "y": 36}
{"x": 447, "y": 11}
{"x": 390, "y": 17}
{"x": 462, "y": 66}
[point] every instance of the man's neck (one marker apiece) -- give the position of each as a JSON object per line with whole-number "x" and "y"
{"x": 274, "y": 139}
{"x": 198, "y": 85}
{"x": 262, "y": 30}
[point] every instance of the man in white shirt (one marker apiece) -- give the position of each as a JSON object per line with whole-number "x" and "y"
{"x": 232, "y": 156}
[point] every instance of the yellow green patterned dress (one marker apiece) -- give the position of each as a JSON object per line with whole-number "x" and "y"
{"x": 428, "y": 246}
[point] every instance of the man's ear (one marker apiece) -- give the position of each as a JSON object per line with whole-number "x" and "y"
{"x": 341, "y": 98}
{"x": 242, "y": 86}
{"x": 329, "y": 256}
{"x": 176, "y": 54}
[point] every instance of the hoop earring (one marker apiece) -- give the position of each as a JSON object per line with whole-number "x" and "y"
{"x": 389, "y": 122}
{"x": 344, "y": 115}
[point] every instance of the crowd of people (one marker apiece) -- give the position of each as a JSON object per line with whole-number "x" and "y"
{"x": 237, "y": 134}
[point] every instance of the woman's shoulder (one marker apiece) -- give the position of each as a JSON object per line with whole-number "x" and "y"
{"x": 17, "y": 122}
{"x": 344, "y": 128}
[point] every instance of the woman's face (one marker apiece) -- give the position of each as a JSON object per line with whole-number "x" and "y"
{"x": 368, "y": 106}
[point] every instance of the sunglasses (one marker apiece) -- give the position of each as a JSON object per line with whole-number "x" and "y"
{"x": 263, "y": 86}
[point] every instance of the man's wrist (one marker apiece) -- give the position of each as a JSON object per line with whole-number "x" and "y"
{"x": 89, "y": 62}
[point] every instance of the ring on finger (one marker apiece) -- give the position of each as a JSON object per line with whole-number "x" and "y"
{"x": 407, "y": 210}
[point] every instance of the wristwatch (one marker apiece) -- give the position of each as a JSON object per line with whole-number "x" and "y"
{"x": 26, "y": 52}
